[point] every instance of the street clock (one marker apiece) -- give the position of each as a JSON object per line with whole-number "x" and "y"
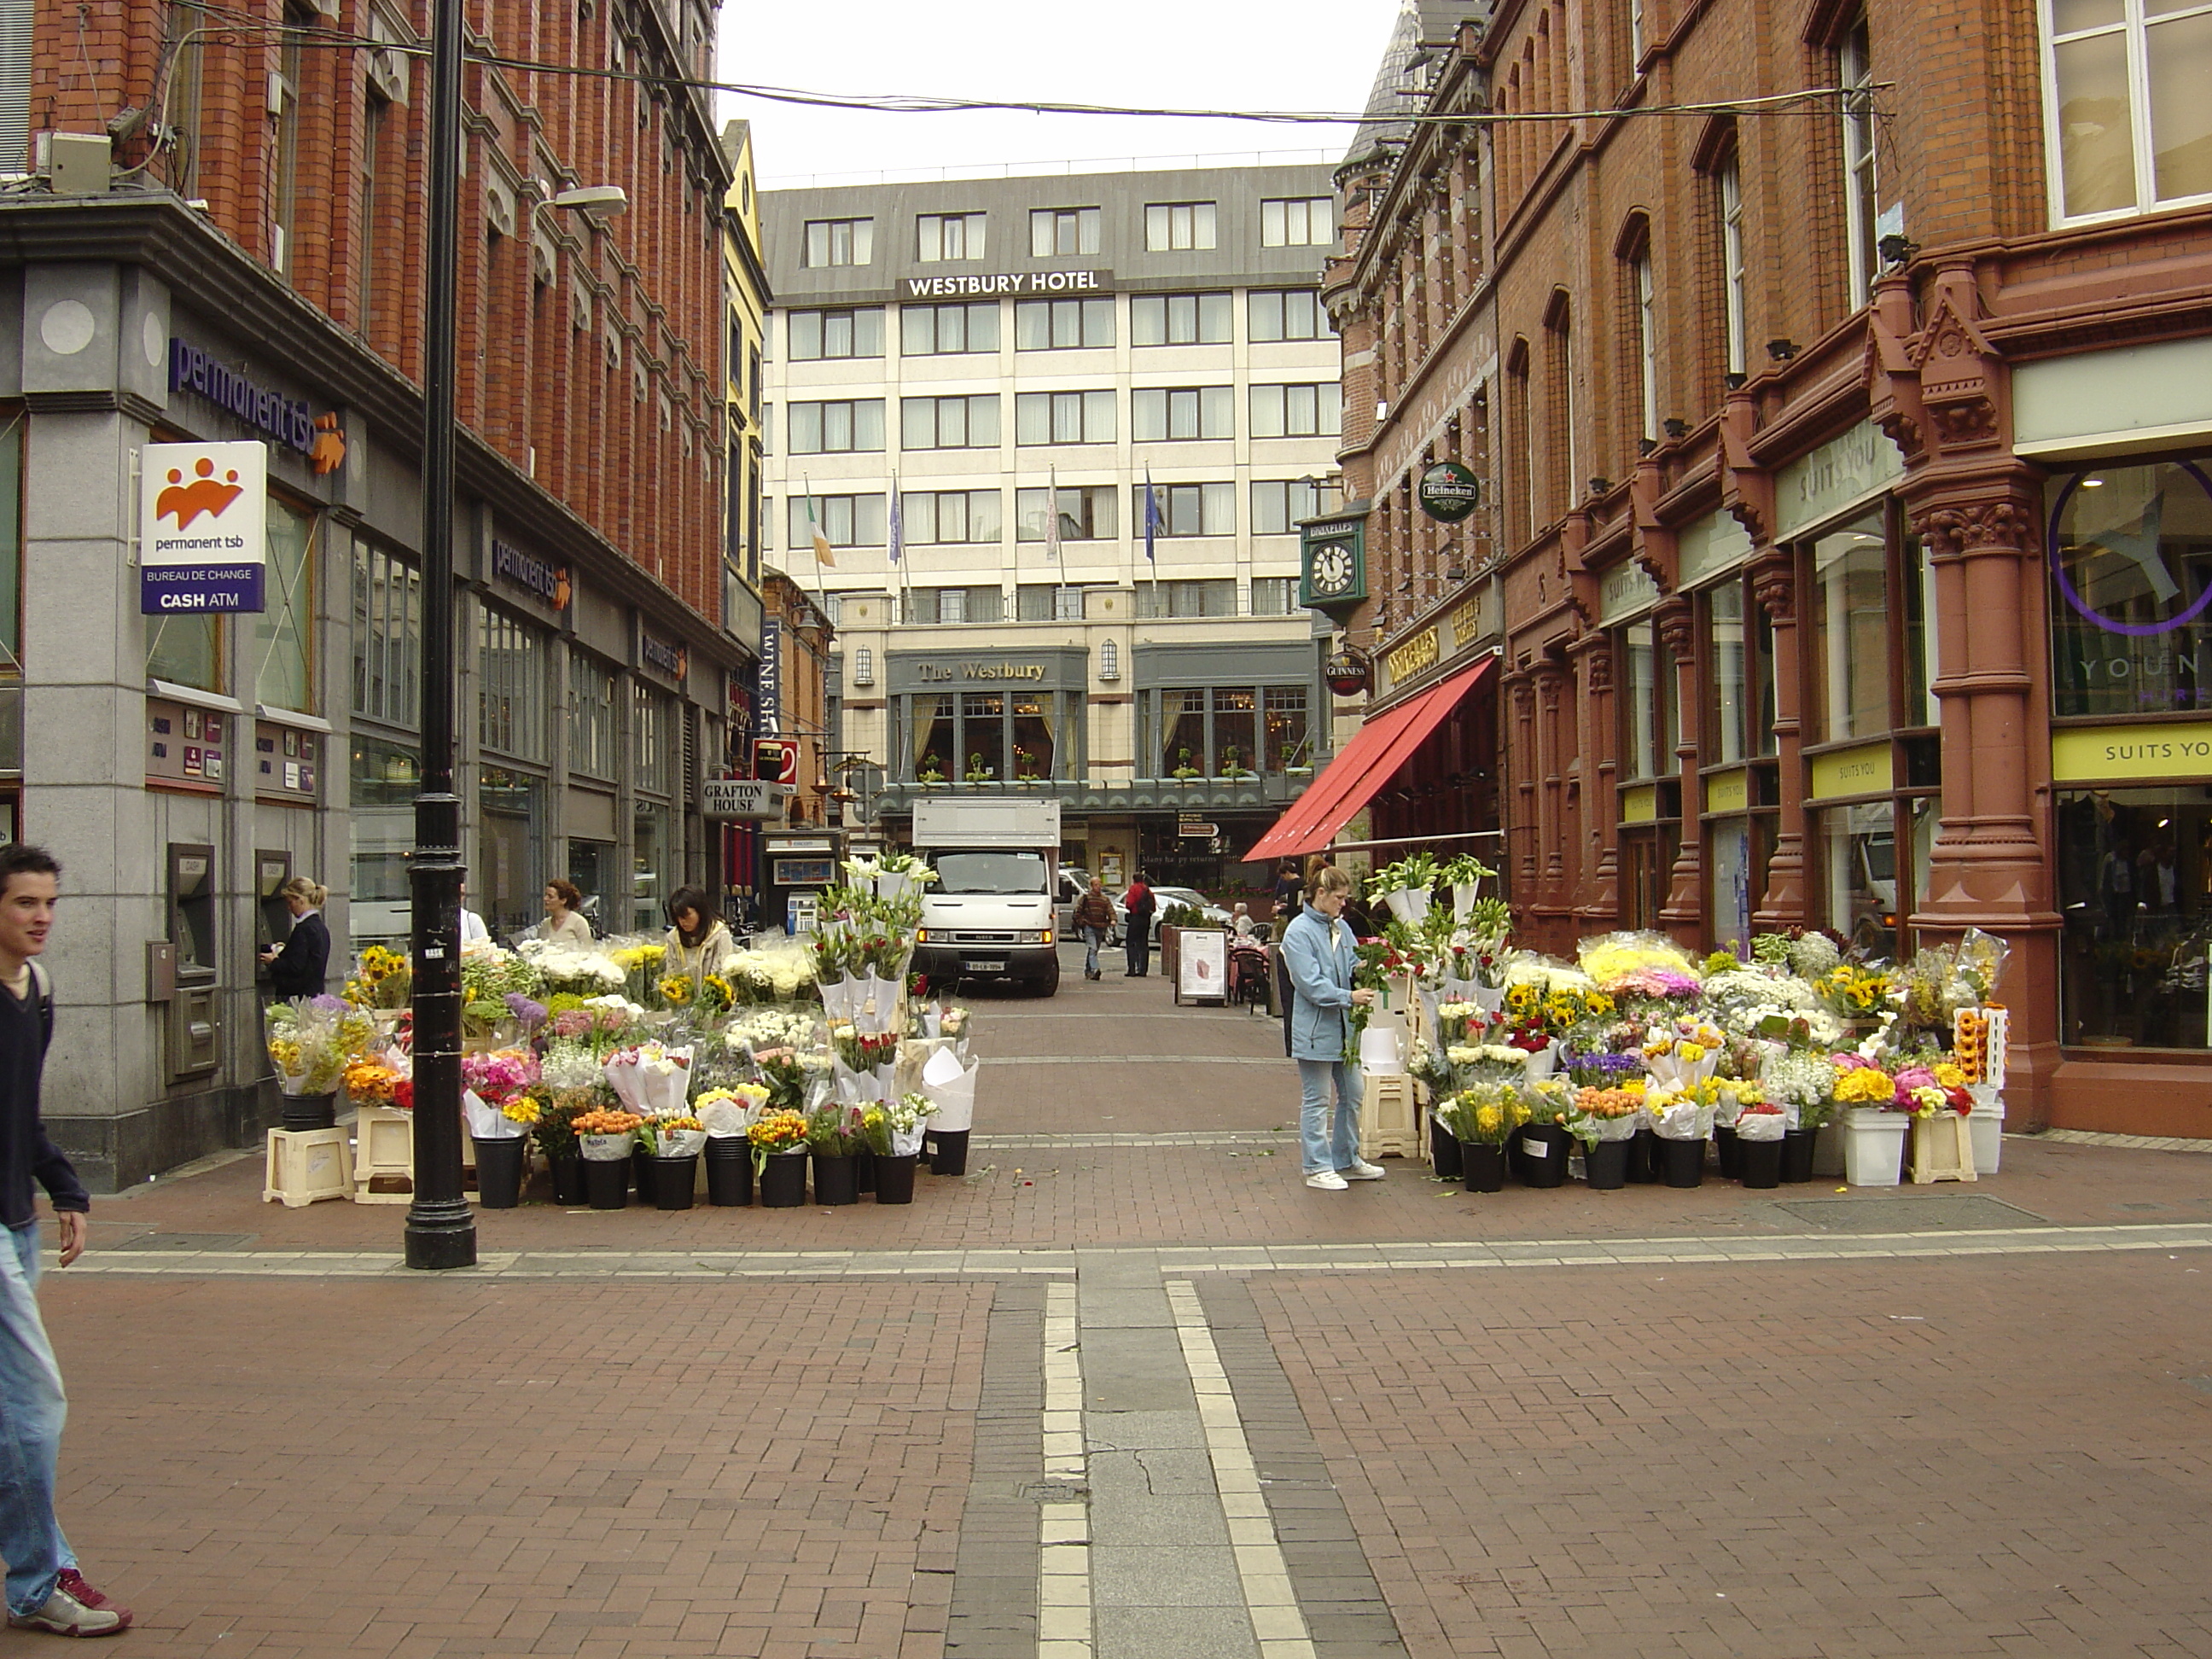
{"x": 1334, "y": 579}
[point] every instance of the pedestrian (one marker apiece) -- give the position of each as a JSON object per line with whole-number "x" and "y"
{"x": 1240, "y": 921}
{"x": 473, "y": 931}
{"x": 298, "y": 967}
{"x": 46, "y": 1591}
{"x": 1137, "y": 905}
{"x": 699, "y": 942}
{"x": 564, "y": 918}
{"x": 1317, "y": 950}
{"x": 1094, "y": 918}
{"x": 1288, "y": 885}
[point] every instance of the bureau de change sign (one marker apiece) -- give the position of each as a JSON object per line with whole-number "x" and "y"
{"x": 202, "y": 527}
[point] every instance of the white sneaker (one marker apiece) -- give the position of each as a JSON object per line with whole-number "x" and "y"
{"x": 1362, "y": 1171}
{"x": 1328, "y": 1182}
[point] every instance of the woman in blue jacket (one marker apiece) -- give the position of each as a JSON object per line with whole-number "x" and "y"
{"x": 298, "y": 967}
{"x": 1318, "y": 951}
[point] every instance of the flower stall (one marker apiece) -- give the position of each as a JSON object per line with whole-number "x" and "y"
{"x": 801, "y": 1057}
{"x": 1643, "y": 1064}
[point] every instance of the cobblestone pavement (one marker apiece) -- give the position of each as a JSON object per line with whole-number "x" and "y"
{"x": 1129, "y": 1390}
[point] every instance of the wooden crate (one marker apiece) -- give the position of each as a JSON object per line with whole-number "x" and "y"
{"x": 385, "y": 1151}
{"x": 307, "y": 1166}
{"x": 1388, "y": 1125}
{"x": 1943, "y": 1149}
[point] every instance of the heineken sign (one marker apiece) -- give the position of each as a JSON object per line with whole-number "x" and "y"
{"x": 1449, "y": 491}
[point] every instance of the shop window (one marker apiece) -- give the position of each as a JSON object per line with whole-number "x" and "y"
{"x": 1919, "y": 596}
{"x": 1288, "y": 744}
{"x": 2124, "y": 86}
{"x": 1851, "y": 633}
{"x": 11, "y": 544}
{"x": 1867, "y": 889}
{"x": 2131, "y": 550}
{"x": 1647, "y": 858}
{"x": 510, "y": 687}
{"x": 1652, "y": 726}
{"x": 508, "y": 886}
{"x": 592, "y": 725}
{"x": 982, "y": 740}
{"x": 285, "y": 631}
{"x": 381, "y": 781}
{"x": 1182, "y": 733}
{"x": 654, "y": 875}
{"x": 387, "y": 637}
{"x": 1732, "y": 885}
{"x": 1730, "y": 664}
{"x": 2133, "y": 866}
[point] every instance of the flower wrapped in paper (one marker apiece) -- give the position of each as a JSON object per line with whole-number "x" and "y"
{"x": 649, "y": 1079}
{"x": 1487, "y": 1112}
{"x": 949, "y": 1087}
{"x": 564, "y": 968}
{"x": 1606, "y": 1114}
{"x": 727, "y": 1112}
{"x": 607, "y": 1135}
{"x": 1639, "y": 966}
{"x": 312, "y": 1040}
{"x": 1679, "y": 1116}
{"x": 1761, "y": 1119}
{"x": 834, "y": 1130}
{"x": 677, "y": 1134}
{"x": 894, "y": 1127}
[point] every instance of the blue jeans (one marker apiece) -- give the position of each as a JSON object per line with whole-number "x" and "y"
{"x": 32, "y": 1409}
{"x": 1329, "y": 1146}
{"x": 1092, "y": 938}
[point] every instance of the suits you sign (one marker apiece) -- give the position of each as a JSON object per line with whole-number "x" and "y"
{"x": 202, "y": 527}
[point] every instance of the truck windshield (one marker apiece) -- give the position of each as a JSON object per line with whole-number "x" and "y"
{"x": 990, "y": 873}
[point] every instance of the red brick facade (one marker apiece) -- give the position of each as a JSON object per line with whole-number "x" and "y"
{"x": 596, "y": 368}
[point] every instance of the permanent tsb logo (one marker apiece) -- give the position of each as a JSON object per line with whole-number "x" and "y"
{"x": 549, "y": 582}
{"x": 203, "y": 526}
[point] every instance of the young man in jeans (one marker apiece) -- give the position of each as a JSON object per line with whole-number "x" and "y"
{"x": 44, "y": 1589}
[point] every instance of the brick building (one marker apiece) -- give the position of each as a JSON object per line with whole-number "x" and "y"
{"x": 222, "y": 241}
{"x": 1844, "y": 416}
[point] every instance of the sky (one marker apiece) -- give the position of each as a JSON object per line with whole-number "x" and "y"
{"x": 1213, "y": 54}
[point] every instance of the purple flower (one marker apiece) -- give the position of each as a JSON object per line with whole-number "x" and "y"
{"x": 532, "y": 1014}
{"x": 329, "y": 1004}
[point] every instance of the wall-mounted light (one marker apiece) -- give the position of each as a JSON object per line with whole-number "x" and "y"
{"x": 1109, "y": 660}
{"x": 1782, "y": 350}
{"x": 1677, "y": 427}
{"x": 1896, "y": 249}
{"x": 1645, "y": 445}
{"x": 1599, "y": 486}
{"x": 1735, "y": 380}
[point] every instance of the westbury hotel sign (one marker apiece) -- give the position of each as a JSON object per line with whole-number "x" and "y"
{"x": 202, "y": 527}
{"x": 1027, "y": 284}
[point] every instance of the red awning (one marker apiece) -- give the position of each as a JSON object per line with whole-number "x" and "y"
{"x": 1369, "y": 762}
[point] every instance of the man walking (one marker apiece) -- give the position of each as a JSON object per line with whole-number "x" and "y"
{"x": 1136, "y": 906}
{"x": 44, "y": 1589}
{"x": 1094, "y": 916}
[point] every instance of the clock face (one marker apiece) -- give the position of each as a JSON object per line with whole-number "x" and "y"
{"x": 1331, "y": 569}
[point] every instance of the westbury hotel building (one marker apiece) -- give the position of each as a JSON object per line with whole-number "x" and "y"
{"x": 976, "y": 346}
{"x": 1848, "y": 534}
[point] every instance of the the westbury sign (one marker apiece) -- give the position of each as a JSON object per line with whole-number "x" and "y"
{"x": 1016, "y": 283}
{"x": 980, "y": 670}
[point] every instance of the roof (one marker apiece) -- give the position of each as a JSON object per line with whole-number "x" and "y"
{"x": 1387, "y": 113}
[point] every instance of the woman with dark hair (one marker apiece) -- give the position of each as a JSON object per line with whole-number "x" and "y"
{"x": 298, "y": 967}
{"x": 564, "y": 921}
{"x": 699, "y": 943}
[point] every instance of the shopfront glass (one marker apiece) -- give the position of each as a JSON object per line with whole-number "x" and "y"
{"x": 653, "y": 874}
{"x": 592, "y": 868}
{"x": 1851, "y": 631}
{"x": 507, "y": 887}
{"x": 1732, "y": 896}
{"x": 1033, "y": 735}
{"x": 1288, "y": 744}
{"x": 2131, "y": 552}
{"x": 381, "y": 782}
{"x": 1867, "y": 889}
{"x": 2133, "y": 867}
{"x": 1215, "y": 731}
{"x": 985, "y": 737}
{"x": 1652, "y": 725}
{"x": 283, "y": 631}
{"x": 982, "y": 736}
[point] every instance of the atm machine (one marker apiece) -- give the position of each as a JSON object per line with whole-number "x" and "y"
{"x": 796, "y": 864}
{"x": 272, "y": 917}
{"x": 181, "y": 970}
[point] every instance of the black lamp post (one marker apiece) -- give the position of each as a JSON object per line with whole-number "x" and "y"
{"x": 441, "y": 1230}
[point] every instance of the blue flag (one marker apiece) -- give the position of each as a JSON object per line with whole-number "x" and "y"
{"x": 1153, "y": 522}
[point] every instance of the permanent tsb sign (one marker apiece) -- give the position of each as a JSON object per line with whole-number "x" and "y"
{"x": 202, "y": 527}
{"x": 1021, "y": 284}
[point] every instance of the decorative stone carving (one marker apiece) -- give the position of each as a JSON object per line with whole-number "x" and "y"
{"x": 1677, "y": 624}
{"x": 1950, "y": 528}
{"x": 1774, "y": 584}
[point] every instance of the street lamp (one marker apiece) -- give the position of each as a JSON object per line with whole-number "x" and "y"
{"x": 596, "y": 201}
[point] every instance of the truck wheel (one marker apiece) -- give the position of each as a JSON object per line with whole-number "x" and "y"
{"x": 1048, "y": 983}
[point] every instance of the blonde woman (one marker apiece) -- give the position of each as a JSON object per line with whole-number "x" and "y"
{"x": 298, "y": 967}
{"x": 1317, "y": 948}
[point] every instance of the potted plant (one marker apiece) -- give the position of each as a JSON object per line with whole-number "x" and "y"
{"x": 312, "y": 1039}
{"x": 931, "y": 771}
{"x": 1464, "y": 875}
{"x": 1183, "y": 768}
{"x": 1292, "y": 762}
{"x": 1231, "y": 766}
{"x": 779, "y": 1143}
{"x": 1406, "y": 887}
{"x": 1025, "y": 768}
{"x": 1482, "y": 1116}
{"x": 977, "y": 772}
{"x": 1875, "y": 1126}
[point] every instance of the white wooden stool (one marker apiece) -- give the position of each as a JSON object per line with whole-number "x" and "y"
{"x": 1943, "y": 1149}
{"x": 386, "y": 1152}
{"x": 306, "y": 1166}
{"x": 1387, "y": 1126}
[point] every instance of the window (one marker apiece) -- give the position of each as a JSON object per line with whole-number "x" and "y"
{"x": 949, "y": 515}
{"x": 955, "y": 604}
{"x": 933, "y": 331}
{"x": 818, "y": 334}
{"x": 1728, "y": 184}
{"x": 590, "y": 717}
{"x": 837, "y": 428}
{"x": 1647, "y": 346}
{"x": 1277, "y": 504}
{"x": 949, "y": 423}
{"x": 1861, "y": 210}
{"x": 942, "y": 236}
{"x": 387, "y": 637}
{"x": 1850, "y": 632}
{"x": 652, "y": 732}
{"x": 1055, "y": 231}
{"x": 2125, "y": 105}
{"x": 1060, "y": 325}
{"x": 376, "y": 118}
{"x": 1109, "y": 660}
{"x": 845, "y": 521}
{"x": 511, "y": 686}
{"x": 839, "y": 242}
{"x": 1271, "y": 595}
{"x": 1297, "y": 411}
{"x": 1086, "y": 513}
{"x": 2131, "y": 891}
{"x": 284, "y": 632}
{"x": 1178, "y": 227}
{"x": 1207, "y": 732}
{"x": 983, "y": 737}
{"x": 1213, "y": 597}
{"x": 1044, "y": 602}
{"x": 1287, "y": 739}
{"x": 1063, "y": 417}
{"x": 1299, "y": 221}
{"x": 284, "y": 91}
{"x": 2131, "y": 561}
{"x": 1179, "y": 319}
{"x": 1199, "y": 509}
{"x": 1291, "y": 314}
{"x": 1175, "y": 414}
{"x": 1635, "y": 34}
{"x": 1730, "y": 663}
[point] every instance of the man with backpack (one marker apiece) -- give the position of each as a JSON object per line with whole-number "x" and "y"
{"x": 44, "y": 1589}
{"x": 1139, "y": 904}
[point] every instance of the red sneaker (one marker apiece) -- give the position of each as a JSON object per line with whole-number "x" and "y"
{"x": 73, "y": 1581}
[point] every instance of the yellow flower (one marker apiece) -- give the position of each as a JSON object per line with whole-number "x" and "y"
{"x": 676, "y": 988}
{"x": 1950, "y": 1076}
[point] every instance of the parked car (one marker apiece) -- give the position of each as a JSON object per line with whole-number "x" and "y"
{"x": 1169, "y": 897}
{"x": 1074, "y": 882}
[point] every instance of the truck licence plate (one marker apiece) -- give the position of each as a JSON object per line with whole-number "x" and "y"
{"x": 986, "y": 967}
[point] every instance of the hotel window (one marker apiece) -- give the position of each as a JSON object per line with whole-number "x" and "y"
{"x": 938, "y": 331}
{"x": 949, "y": 516}
{"x": 1178, "y": 227}
{"x": 652, "y": 732}
{"x": 1063, "y": 417}
{"x": 955, "y": 604}
{"x": 1299, "y": 221}
{"x": 1647, "y": 346}
{"x": 1862, "y": 210}
{"x": 1851, "y": 631}
{"x": 1047, "y": 602}
{"x": 1727, "y": 185}
{"x": 837, "y": 428}
{"x": 387, "y": 637}
{"x": 1277, "y": 504}
{"x": 1287, "y": 314}
{"x": 1180, "y": 318}
{"x": 839, "y": 242}
{"x": 1062, "y": 324}
{"x": 1054, "y": 230}
{"x": 819, "y": 334}
{"x": 1197, "y": 509}
{"x": 1086, "y": 513}
{"x": 1205, "y": 730}
{"x": 1214, "y": 597}
{"x": 990, "y": 735}
{"x": 944, "y": 236}
{"x": 1178, "y": 414}
{"x": 510, "y": 687}
{"x": 2124, "y": 105}
{"x": 592, "y": 724}
{"x": 1297, "y": 411}
{"x": 1271, "y": 595}
{"x": 1287, "y": 733}
{"x": 845, "y": 521}
{"x": 969, "y": 422}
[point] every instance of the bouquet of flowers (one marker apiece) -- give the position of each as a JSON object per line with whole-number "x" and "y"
{"x": 1606, "y": 1114}
{"x": 1487, "y": 1063}
{"x": 776, "y": 1131}
{"x": 728, "y": 1113}
{"x": 371, "y": 1079}
{"x": 1679, "y": 1115}
{"x": 383, "y": 978}
{"x": 1803, "y": 1084}
{"x": 1924, "y": 1091}
{"x": 894, "y": 1127}
{"x": 1761, "y": 1119}
{"x": 1599, "y": 1069}
{"x": 1684, "y": 1052}
{"x": 1549, "y": 1101}
{"x": 775, "y": 970}
{"x": 674, "y": 1134}
{"x": 1487, "y": 1112}
{"x": 1855, "y": 992}
{"x": 604, "y": 1136}
{"x": 1639, "y": 966}
{"x": 650, "y": 1079}
{"x": 1862, "y": 1084}
{"x": 489, "y": 1081}
{"x": 833, "y": 1130}
{"x": 776, "y": 1027}
{"x": 563, "y": 968}
{"x": 862, "y": 1051}
{"x": 640, "y": 961}
{"x": 311, "y": 1041}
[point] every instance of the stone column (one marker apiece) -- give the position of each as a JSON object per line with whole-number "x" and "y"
{"x": 1684, "y": 913}
{"x": 1520, "y": 764}
{"x": 1554, "y": 903}
{"x": 1782, "y": 906}
{"x": 1598, "y": 904}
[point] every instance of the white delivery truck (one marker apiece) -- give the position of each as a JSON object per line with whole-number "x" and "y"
{"x": 989, "y": 913}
